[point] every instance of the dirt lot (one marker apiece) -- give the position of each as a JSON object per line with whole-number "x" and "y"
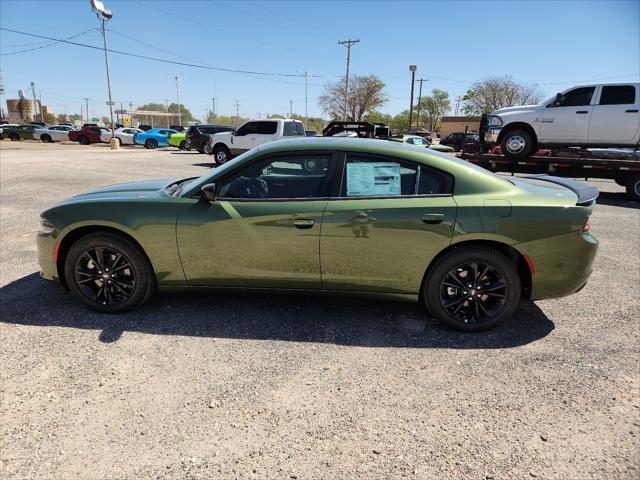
{"x": 262, "y": 386}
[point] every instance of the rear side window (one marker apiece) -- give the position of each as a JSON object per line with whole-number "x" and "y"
{"x": 375, "y": 177}
{"x": 207, "y": 130}
{"x": 292, "y": 129}
{"x": 618, "y": 95}
{"x": 267, "y": 128}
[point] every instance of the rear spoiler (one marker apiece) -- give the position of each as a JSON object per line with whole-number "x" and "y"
{"x": 586, "y": 193}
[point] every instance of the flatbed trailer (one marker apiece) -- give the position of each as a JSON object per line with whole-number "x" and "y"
{"x": 624, "y": 171}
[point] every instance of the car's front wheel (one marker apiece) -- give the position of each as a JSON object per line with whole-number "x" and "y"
{"x": 472, "y": 289}
{"x": 517, "y": 144}
{"x": 14, "y": 137}
{"x": 82, "y": 140}
{"x": 108, "y": 273}
{"x": 633, "y": 187}
{"x": 221, "y": 154}
{"x": 151, "y": 144}
{"x": 46, "y": 138}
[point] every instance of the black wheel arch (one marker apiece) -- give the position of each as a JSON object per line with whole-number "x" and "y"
{"x": 74, "y": 235}
{"x": 508, "y": 251}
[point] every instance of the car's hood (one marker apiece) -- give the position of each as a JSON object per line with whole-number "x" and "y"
{"x": 124, "y": 190}
{"x": 521, "y": 108}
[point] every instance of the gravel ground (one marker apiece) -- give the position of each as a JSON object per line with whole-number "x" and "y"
{"x": 260, "y": 386}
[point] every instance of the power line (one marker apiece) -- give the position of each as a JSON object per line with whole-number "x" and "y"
{"x": 51, "y": 44}
{"x": 185, "y": 64}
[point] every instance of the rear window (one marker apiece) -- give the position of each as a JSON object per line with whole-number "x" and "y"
{"x": 293, "y": 129}
{"x": 618, "y": 95}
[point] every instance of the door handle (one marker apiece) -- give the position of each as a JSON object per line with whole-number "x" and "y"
{"x": 631, "y": 111}
{"x": 432, "y": 218}
{"x": 582, "y": 111}
{"x": 303, "y": 223}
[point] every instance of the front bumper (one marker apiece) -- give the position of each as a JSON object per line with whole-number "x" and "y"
{"x": 562, "y": 263}
{"x": 47, "y": 245}
{"x": 491, "y": 135}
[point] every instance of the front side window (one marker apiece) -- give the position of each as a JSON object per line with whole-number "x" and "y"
{"x": 618, "y": 95}
{"x": 578, "y": 97}
{"x": 267, "y": 128}
{"x": 286, "y": 176}
{"x": 377, "y": 177}
{"x": 247, "y": 129}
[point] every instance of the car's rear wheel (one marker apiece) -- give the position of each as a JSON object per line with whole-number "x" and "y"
{"x": 472, "y": 289}
{"x": 183, "y": 145}
{"x": 108, "y": 273}
{"x": 82, "y": 140}
{"x": 207, "y": 149}
{"x": 221, "y": 154}
{"x": 151, "y": 144}
{"x": 46, "y": 138}
{"x": 517, "y": 144}
{"x": 633, "y": 187}
{"x": 14, "y": 137}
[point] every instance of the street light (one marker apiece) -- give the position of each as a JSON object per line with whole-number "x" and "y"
{"x": 412, "y": 69}
{"x": 104, "y": 16}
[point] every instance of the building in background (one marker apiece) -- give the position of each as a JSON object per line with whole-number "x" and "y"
{"x": 458, "y": 124}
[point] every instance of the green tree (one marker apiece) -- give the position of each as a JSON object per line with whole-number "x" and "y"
{"x": 366, "y": 94}
{"x": 432, "y": 108}
{"x": 49, "y": 118}
{"x": 162, "y": 121}
{"x": 498, "y": 92}
{"x": 400, "y": 122}
{"x": 377, "y": 117}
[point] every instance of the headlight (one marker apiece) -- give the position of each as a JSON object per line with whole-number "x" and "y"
{"x": 495, "y": 121}
{"x": 45, "y": 226}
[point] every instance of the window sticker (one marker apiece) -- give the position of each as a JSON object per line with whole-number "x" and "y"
{"x": 373, "y": 179}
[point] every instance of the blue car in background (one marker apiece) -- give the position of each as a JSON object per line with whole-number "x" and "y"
{"x": 154, "y": 138}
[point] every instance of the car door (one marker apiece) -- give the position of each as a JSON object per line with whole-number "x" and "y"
{"x": 566, "y": 119}
{"x": 263, "y": 230}
{"x": 244, "y": 138}
{"x": 384, "y": 224}
{"x": 267, "y": 132}
{"x": 27, "y": 132}
{"x": 615, "y": 118}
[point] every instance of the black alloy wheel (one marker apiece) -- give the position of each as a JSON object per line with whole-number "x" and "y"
{"x": 472, "y": 289}
{"x": 151, "y": 144}
{"x": 14, "y": 137}
{"x": 183, "y": 145}
{"x": 46, "y": 138}
{"x": 82, "y": 140}
{"x": 108, "y": 273}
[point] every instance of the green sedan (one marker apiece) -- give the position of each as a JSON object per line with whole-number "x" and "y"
{"x": 178, "y": 140}
{"x": 19, "y": 132}
{"x": 330, "y": 215}
{"x": 417, "y": 140}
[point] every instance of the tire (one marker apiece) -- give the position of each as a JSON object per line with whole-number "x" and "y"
{"x": 14, "y": 137}
{"x": 221, "y": 154}
{"x": 82, "y": 140}
{"x": 633, "y": 187}
{"x": 46, "y": 138}
{"x": 151, "y": 144}
{"x": 207, "y": 149}
{"x": 201, "y": 150}
{"x": 447, "y": 279}
{"x": 517, "y": 144}
{"x": 183, "y": 145}
{"x": 84, "y": 275}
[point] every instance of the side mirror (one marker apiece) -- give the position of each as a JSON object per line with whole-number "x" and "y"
{"x": 558, "y": 99}
{"x": 209, "y": 192}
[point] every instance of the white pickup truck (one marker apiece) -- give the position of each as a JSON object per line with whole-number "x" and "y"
{"x": 251, "y": 134}
{"x": 585, "y": 116}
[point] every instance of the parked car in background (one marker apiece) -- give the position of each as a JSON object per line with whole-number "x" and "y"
{"x": 39, "y": 124}
{"x": 19, "y": 132}
{"x": 359, "y": 216}
{"x": 456, "y": 140}
{"x": 421, "y": 141}
{"x": 421, "y": 133}
{"x": 178, "y": 140}
{"x": 177, "y": 128}
{"x": 251, "y": 134}
{"x": 54, "y": 133}
{"x": 7, "y": 126}
{"x": 584, "y": 116}
{"x": 198, "y": 135}
{"x": 124, "y": 135}
{"x": 311, "y": 133}
{"x": 154, "y": 138}
{"x": 145, "y": 128}
{"x": 88, "y": 135}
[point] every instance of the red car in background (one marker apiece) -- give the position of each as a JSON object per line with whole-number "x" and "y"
{"x": 87, "y": 135}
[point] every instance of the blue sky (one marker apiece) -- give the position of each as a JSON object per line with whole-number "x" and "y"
{"x": 551, "y": 44}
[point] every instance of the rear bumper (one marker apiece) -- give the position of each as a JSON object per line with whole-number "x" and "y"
{"x": 562, "y": 264}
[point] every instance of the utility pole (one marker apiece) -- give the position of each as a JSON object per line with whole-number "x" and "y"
{"x": 166, "y": 101}
{"x": 306, "y": 108}
{"x": 178, "y": 98}
{"x": 412, "y": 69}
{"x": 122, "y": 114}
{"x": 86, "y": 110}
{"x": 419, "y": 98}
{"x": 213, "y": 112}
{"x": 290, "y": 108}
{"x": 35, "y": 102}
{"x": 237, "y": 111}
{"x": 457, "y": 105}
{"x": 131, "y": 113}
{"x": 347, "y": 43}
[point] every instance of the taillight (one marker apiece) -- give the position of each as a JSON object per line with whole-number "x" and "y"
{"x": 586, "y": 227}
